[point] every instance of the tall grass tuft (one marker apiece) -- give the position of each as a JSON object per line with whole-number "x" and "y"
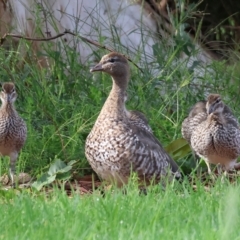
{"x": 61, "y": 102}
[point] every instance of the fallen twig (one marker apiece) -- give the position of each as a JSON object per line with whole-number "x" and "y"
{"x": 97, "y": 44}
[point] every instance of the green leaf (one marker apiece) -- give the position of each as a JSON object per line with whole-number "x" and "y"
{"x": 58, "y": 167}
{"x": 181, "y": 152}
{"x": 176, "y": 144}
{"x": 63, "y": 176}
{"x": 58, "y": 170}
{"x": 184, "y": 83}
{"x": 43, "y": 180}
{"x": 178, "y": 149}
{"x": 71, "y": 162}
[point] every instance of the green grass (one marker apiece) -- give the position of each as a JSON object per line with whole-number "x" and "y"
{"x": 60, "y": 105}
{"x": 175, "y": 213}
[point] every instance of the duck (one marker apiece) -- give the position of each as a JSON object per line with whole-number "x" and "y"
{"x": 120, "y": 141}
{"x": 217, "y": 139}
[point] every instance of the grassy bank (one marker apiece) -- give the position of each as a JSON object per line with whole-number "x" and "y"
{"x": 176, "y": 213}
{"x": 60, "y": 105}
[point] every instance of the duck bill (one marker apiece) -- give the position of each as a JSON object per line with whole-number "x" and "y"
{"x": 210, "y": 110}
{"x": 97, "y": 68}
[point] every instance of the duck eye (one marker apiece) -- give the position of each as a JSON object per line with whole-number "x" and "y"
{"x": 218, "y": 100}
{"x": 112, "y": 60}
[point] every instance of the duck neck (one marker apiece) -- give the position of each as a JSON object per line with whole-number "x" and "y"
{"x": 220, "y": 118}
{"x": 216, "y": 118}
{"x": 115, "y": 103}
{"x": 8, "y": 107}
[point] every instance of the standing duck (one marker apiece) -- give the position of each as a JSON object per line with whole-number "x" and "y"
{"x": 217, "y": 139}
{"x": 117, "y": 145}
{"x": 13, "y": 129}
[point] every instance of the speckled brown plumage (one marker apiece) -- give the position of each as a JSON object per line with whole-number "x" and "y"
{"x": 120, "y": 141}
{"x": 197, "y": 114}
{"x": 13, "y": 129}
{"x": 137, "y": 118}
{"x": 217, "y": 138}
